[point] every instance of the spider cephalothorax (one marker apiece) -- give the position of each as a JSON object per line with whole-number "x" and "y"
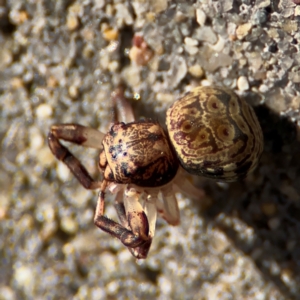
{"x": 213, "y": 133}
{"x": 138, "y": 153}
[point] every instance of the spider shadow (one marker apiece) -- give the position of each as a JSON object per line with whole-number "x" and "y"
{"x": 269, "y": 203}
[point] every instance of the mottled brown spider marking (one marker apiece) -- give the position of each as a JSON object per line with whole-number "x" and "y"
{"x": 139, "y": 153}
{"x": 215, "y": 133}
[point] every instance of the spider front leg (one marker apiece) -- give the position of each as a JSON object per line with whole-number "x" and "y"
{"x": 80, "y": 135}
{"x": 133, "y": 231}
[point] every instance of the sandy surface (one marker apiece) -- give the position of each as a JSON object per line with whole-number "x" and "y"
{"x": 59, "y": 63}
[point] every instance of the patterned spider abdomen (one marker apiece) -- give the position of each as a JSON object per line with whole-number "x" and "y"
{"x": 139, "y": 153}
{"x": 215, "y": 133}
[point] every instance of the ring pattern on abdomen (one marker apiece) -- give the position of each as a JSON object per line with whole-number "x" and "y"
{"x": 215, "y": 133}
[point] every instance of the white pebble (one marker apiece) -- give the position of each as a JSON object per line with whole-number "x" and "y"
{"x": 192, "y": 50}
{"x": 44, "y": 111}
{"x": 24, "y": 277}
{"x": 263, "y": 3}
{"x": 69, "y": 225}
{"x": 190, "y": 42}
{"x": 243, "y": 30}
{"x": 263, "y": 88}
{"x": 200, "y": 17}
{"x": 242, "y": 83}
{"x": 196, "y": 71}
{"x": 165, "y": 97}
{"x": 206, "y": 34}
{"x": 219, "y": 46}
{"x": 63, "y": 172}
{"x": 165, "y": 285}
{"x": 112, "y": 287}
{"x": 36, "y": 140}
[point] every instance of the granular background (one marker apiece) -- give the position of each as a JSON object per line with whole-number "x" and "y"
{"x": 59, "y": 63}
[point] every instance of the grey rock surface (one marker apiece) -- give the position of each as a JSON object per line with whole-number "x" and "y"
{"x": 59, "y": 63}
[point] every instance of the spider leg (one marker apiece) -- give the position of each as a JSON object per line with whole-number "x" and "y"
{"x": 182, "y": 184}
{"x": 150, "y": 210}
{"x": 140, "y": 251}
{"x": 80, "y": 135}
{"x": 136, "y": 238}
{"x": 123, "y": 108}
{"x": 169, "y": 207}
{"x": 120, "y": 209}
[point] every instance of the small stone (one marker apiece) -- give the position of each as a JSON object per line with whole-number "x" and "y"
{"x": 131, "y": 75}
{"x": 44, "y": 111}
{"x": 112, "y": 287}
{"x": 294, "y": 74}
{"x": 191, "y": 42}
{"x": 177, "y": 71}
{"x": 69, "y": 225}
{"x": 273, "y": 33}
{"x": 88, "y": 34}
{"x": 287, "y": 276}
{"x": 220, "y": 243}
{"x": 262, "y": 3}
{"x": 290, "y": 26}
{"x": 165, "y": 285}
{"x": 242, "y": 83}
{"x": 287, "y": 12}
{"x": 286, "y": 63}
{"x": 196, "y": 71}
{"x": 18, "y": 17}
{"x": 295, "y": 103}
{"x": 192, "y": 50}
{"x": 140, "y": 56}
{"x": 24, "y": 277}
{"x": 6, "y": 58}
{"x": 227, "y": 5}
{"x": 243, "y": 30}
{"x": 16, "y": 83}
{"x": 72, "y": 22}
{"x": 113, "y": 66}
{"x": 108, "y": 261}
{"x": 297, "y": 11}
{"x": 73, "y": 91}
{"x": 7, "y": 293}
{"x": 123, "y": 15}
{"x": 260, "y": 17}
{"x": 63, "y": 172}
{"x": 99, "y": 3}
{"x": 263, "y": 88}
{"x": 45, "y": 157}
{"x": 110, "y": 34}
{"x": 159, "y": 5}
{"x": 231, "y": 29}
{"x": 210, "y": 60}
{"x": 140, "y": 53}
{"x": 165, "y": 97}
{"x": 68, "y": 249}
{"x": 206, "y": 34}
{"x": 200, "y": 17}
{"x": 36, "y": 140}
{"x": 88, "y": 51}
{"x": 219, "y": 46}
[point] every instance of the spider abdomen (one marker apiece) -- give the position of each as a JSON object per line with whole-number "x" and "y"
{"x": 215, "y": 133}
